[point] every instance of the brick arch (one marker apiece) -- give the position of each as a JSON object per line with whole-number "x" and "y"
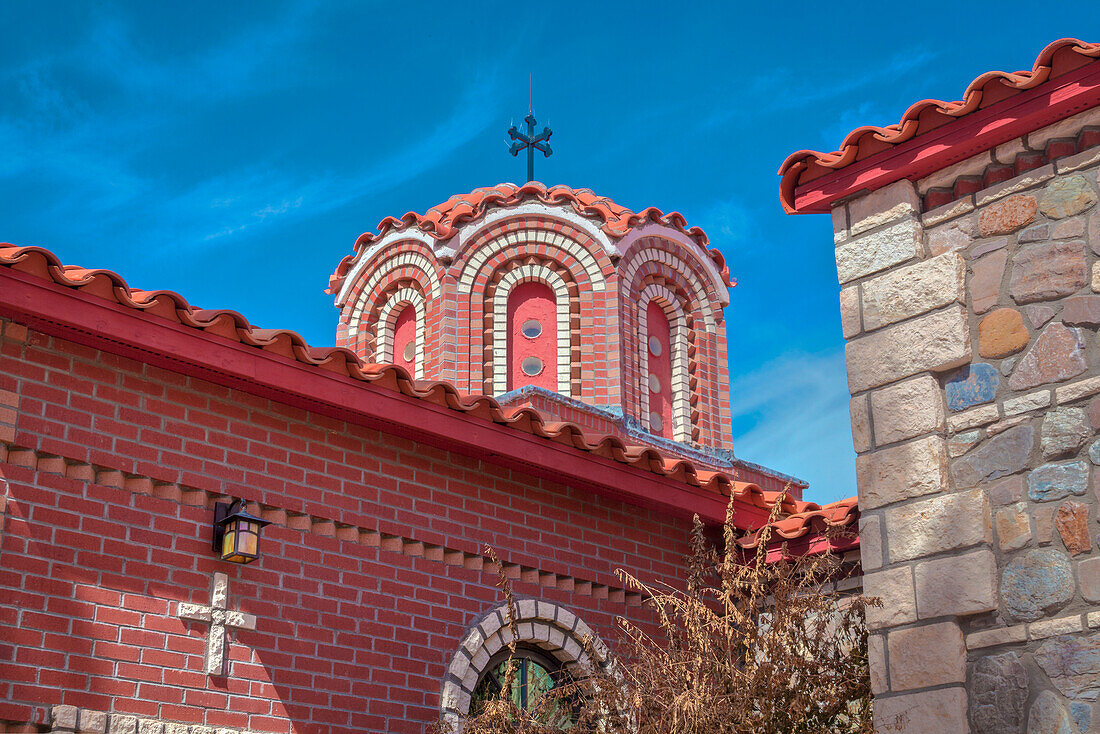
{"x": 406, "y": 260}
{"x": 551, "y": 628}
{"x": 366, "y": 336}
{"x": 653, "y": 255}
{"x": 681, "y": 390}
{"x": 496, "y": 320}
{"x": 539, "y": 236}
{"x": 386, "y": 323}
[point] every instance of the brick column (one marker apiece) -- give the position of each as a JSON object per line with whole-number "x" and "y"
{"x": 925, "y": 545}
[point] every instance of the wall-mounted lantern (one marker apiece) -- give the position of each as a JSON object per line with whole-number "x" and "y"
{"x": 237, "y": 532}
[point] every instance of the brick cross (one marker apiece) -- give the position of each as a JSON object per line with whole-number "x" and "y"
{"x": 219, "y": 618}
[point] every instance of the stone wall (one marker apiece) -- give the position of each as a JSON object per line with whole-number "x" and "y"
{"x": 973, "y": 365}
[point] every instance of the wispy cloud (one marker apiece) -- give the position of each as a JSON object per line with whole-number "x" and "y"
{"x": 791, "y": 414}
{"x": 96, "y": 156}
{"x": 785, "y": 88}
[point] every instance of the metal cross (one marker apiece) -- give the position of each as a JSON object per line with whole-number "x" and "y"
{"x": 219, "y": 618}
{"x": 530, "y": 142}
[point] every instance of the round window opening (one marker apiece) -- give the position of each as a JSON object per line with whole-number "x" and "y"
{"x": 409, "y": 352}
{"x": 534, "y": 677}
{"x": 531, "y": 366}
{"x": 655, "y": 346}
{"x": 531, "y": 328}
{"x": 655, "y": 422}
{"x": 654, "y": 383}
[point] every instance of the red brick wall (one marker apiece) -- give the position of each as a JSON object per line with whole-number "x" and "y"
{"x": 366, "y": 586}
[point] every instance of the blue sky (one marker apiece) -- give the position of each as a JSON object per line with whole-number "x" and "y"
{"x": 234, "y": 151}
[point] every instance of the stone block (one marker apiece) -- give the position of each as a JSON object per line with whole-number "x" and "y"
{"x": 118, "y": 724}
{"x": 63, "y": 717}
{"x": 895, "y": 588}
{"x": 1069, "y": 228}
{"x": 1095, "y": 277}
{"x": 973, "y": 418}
{"x": 1088, "y": 579}
{"x": 850, "y": 324}
{"x": 1004, "y": 454}
{"x": 988, "y": 246}
{"x": 1051, "y": 482}
{"x": 1064, "y": 432}
{"x": 959, "y": 585}
{"x": 1044, "y": 525}
{"x": 1038, "y": 314}
{"x": 1005, "y": 491}
{"x": 1002, "y": 333}
{"x": 1046, "y": 271}
{"x": 1077, "y": 390}
{"x": 998, "y": 636}
{"x": 941, "y": 711}
{"x": 1094, "y": 232}
{"x": 91, "y": 722}
{"x": 1037, "y": 233}
{"x": 931, "y": 655}
{"x": 1045, "y": 628}
{"x": 953, "y": 237}
{"x": 891, "y": 202}
{"x": 1066, "y": 196}
{"x": 1072, "y": 663}
{"x": 1072, "y": 523}
{"x": 959, "y": 443}
{"x": 907, "y": 409}
{"x": 1036, "y": 584}
{"x": 1007, "y": 216}
{"x": 974, "y": 384}
{"x": 840, "y": 223}
{"x": 861, "y": 424}
{"x": 876, "y": 658}
{"x": 910, "y": 291}
{"x": 893, "y": 474}
{"x": 1055, "y": 356}
{"x": 1013, "y": 527}
{"x": 931, "y": 343}
{"x": 985, "y": 280}
{"x": 939, "y": 524}
{"x": 1049, "y": 716}
{"x": 870, "y": 542}
{"x": 999, "y": 689}
{"x": 1027, "y": 403}
{"x": 878, "y": 250}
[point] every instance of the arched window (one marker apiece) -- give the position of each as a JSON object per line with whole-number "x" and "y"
{"x": 663, "y": 364}
{"x": 401, "y": 332}
{"x": 534, "y": 676}
{"x": 404, "y": 339}
{"x": 532, "y": 336}
{"x": 659, "y": 358}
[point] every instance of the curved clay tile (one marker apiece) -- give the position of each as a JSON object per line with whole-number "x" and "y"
{"x": 1060, "y": 57}
{"x": 229, "y": 324}
{"x": 444, "y": 220}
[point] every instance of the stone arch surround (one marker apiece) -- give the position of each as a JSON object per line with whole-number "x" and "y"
{"x": 555, "y": 630}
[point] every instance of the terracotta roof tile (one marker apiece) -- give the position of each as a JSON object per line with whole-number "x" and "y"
{"x": 1058, "y": 58}
{"x": 231, "y": 325}
{"x": 443, "y": 221}
{"x": 808, "y": 518}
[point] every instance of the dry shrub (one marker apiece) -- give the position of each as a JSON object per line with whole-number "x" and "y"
{"x": 746, "y": 646}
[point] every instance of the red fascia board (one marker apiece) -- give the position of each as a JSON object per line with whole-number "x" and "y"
{"x": 958, "y": 140}
{"x": 100, "y": 324}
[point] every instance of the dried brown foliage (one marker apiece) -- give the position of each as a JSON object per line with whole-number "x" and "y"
{"x": 745, "y": 646}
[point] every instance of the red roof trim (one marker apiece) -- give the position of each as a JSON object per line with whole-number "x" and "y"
{"x": 98, "y": 309}
{"x": 933, "y": 134}
{"x": 443, "y": 221}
